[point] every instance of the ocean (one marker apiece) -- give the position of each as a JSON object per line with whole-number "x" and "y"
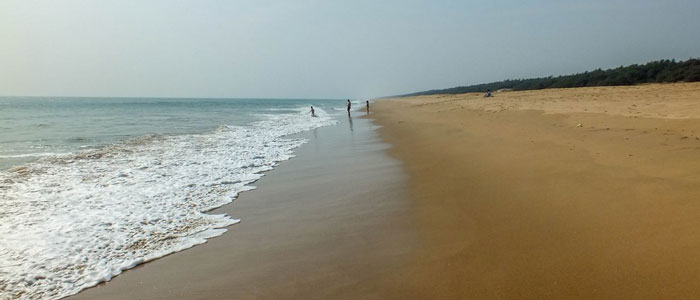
{"x": 90, "y": 187}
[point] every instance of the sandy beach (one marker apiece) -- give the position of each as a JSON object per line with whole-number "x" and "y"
{"x": 557, "y": 194}
{"x": 587, "y": 193}
{"x": 327, "y": 224}
{"x": 359, "y": 150}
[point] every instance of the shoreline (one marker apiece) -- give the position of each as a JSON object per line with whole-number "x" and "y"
{"x": 325, "y": 224}
{"x": 558, "y": 194}
{"x": 475, "y": 199}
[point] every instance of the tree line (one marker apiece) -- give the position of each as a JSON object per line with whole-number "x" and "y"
{"x": 652, "y": 72}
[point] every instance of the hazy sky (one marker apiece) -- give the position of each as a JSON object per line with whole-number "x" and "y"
{"x": 324, "y": 49}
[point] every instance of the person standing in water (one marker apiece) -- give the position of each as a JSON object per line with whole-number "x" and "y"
{"x": 367, "y": 106}
{"x": 349, "y": 106}
{"x": 313, "y": 112}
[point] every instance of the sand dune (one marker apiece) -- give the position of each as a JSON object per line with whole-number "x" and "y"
{"x": 668, "y": 101}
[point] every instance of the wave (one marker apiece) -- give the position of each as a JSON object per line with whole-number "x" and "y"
{"x": 69, "y": 222}
{"x": 42, "y": 154}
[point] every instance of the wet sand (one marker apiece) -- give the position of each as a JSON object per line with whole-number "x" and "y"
{"x": 327, "y": 224}
{"x": 590, "y": 193}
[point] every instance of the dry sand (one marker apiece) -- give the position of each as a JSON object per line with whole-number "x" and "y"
{"x": 590, "y": 193}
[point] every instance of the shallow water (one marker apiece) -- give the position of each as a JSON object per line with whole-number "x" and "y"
{"x": 91, "y": 187}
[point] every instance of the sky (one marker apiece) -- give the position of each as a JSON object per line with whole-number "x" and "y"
{"x": 323, "y": 49}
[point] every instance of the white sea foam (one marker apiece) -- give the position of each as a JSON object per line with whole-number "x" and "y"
{"x": 70, "y": 222}
{"x": 39, "y": 154}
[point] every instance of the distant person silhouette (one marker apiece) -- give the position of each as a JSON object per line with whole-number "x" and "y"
{"x": 313, "y": 112}
{"x": 367, "y": 106}
{"x": 488, "y": 94}
{"x": 349, "y": 106}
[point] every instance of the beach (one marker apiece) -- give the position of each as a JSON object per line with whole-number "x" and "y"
{"x": 360, "y": 150}
{"x": 327, "y": 224}
{"x": 588, "y": 193}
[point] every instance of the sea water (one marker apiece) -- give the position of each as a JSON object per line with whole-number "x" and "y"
{"x": 90, "y": 187}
